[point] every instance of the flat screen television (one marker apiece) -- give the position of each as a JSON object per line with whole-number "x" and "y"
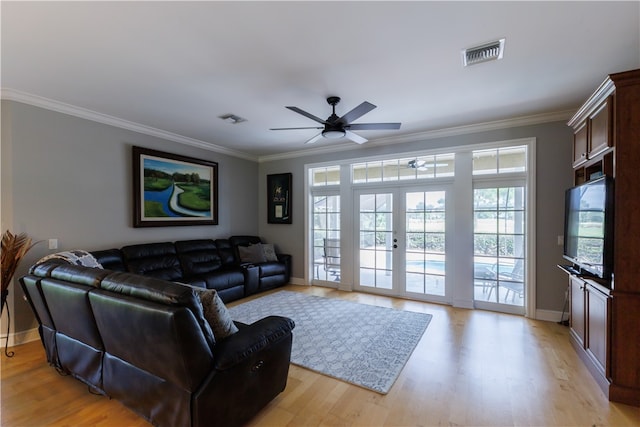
{"x": 588, "y": 227}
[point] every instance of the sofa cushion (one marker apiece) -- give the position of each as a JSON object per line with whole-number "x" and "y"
{"x": 272, "y": 269}
{"x": 219, "y": 280}
{"x": 252, "y": 254}
{"x": 110, "y": 259}
{"x": 79, "y": 274}
{"x": 157, "y": 260}
{"x": 159, "y": 291}
{"x": 225, "y": 250}
{"x": 198, "y": 256}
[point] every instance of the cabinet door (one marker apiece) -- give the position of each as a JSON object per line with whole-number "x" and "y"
{"x": 580, "y": 145}
{"x": 600, "y": 129}
{"x": 577, "y": 309}
{"x": 597, "y": 333}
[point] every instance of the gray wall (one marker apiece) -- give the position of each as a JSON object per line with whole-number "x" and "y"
{"x": 68, "y": 178}
{"x": 554, "y": 175}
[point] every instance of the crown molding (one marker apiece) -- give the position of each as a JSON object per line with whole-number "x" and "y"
{"x": 432, "y": 134}
{"x": 83, "y": 113}
{"x": 61, "y": 107}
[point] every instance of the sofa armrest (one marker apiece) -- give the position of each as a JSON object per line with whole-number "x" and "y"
{"x": 286, "y": 260}
{"x": 250, "y": 340}
{"x": 251, "y": 279}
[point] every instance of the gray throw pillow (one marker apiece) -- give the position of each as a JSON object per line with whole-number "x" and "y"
{"x": 269, "y": 252}
{"x": 216, "y": 314}
{"x": 252, "y": 254}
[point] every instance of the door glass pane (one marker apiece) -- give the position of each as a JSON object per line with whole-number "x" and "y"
{"x": 499, "y": 245}
{"x": 326, "y": 238}
{"x": 376, "y": 240}
{"x": 425, "y": 242}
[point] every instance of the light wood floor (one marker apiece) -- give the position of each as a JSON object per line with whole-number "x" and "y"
{"x": 471, "y": 368}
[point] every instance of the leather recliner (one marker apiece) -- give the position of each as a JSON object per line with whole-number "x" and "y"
{"x": 145, "y": 342}
{"x": 270, "y": 273}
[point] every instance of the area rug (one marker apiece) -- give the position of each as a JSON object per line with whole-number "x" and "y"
{"x": 358, "y": 343}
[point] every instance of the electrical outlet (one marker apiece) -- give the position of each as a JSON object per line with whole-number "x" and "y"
{"x": 53, "y": 243}
{"x": 560, "y": 240}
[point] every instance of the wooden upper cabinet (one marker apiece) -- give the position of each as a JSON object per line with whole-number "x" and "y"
{"x": 580, "y": 145}
{"x": 593, "y": 130}
{"x": 600, "y": 128}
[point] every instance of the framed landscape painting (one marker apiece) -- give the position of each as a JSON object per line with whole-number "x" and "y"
{"x": 171, "y": 190}
{"x": 279, "y": 198}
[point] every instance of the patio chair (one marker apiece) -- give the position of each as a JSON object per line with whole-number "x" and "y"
{"x": 332, "y": 257}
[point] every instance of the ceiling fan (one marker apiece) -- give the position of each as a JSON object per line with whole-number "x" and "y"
{"x": 338, "y": 127}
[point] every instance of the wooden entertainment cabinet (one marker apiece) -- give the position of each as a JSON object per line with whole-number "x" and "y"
{"x": 605, "y": 315}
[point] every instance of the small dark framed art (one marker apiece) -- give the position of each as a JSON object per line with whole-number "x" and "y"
{"x": 173, "y": 190}
{"x": 279, "y": 198}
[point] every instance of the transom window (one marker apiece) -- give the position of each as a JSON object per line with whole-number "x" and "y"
{"x": 435, "y": 166}
{"x": 500, "y": 160}
{"x": 325, "y": 176}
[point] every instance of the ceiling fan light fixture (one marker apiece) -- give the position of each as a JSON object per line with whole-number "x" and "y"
{"x": 417, "y": 164}
{"x": 341, "y": 127}
{"x": 333, "y": 133}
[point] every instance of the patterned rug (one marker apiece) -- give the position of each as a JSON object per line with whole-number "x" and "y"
{"x": 358, "y": 343}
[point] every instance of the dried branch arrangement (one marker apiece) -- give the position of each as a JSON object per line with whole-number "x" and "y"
{"x": 14, "y": 248}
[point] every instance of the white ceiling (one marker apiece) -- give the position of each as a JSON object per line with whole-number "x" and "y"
{"x": 174, "y": 67}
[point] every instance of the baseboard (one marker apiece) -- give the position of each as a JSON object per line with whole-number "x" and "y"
{"x": 463, "y": 303}
{"x": 345, "y": 287}
{"x": 550, "y": 315}
{"x": 297, "y": 281}
{"x": 21, "y": 337}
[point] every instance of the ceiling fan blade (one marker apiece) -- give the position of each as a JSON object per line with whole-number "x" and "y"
{"x": 314, "y": 139}
{"x": 373, "y": 126}
{"x": 309, "y": 115}
{"x": 355, "y": 137}
{"x": 313, "y": 127}
{"x": 357, "y": 112}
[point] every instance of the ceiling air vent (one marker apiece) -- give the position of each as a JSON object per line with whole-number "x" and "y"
{"x": 486, "y": 52}
{"x": 232, "y": 118}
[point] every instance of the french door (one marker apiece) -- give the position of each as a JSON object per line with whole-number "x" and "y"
{"x": 401, "y": 242}
{"x": 499, "y": 213}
